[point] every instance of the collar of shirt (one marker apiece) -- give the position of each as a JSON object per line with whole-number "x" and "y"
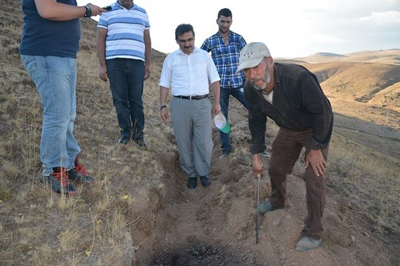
{"x": 195, "y": 50}
{"x": 220, "y": 35}
{"x": 121, "y": 7}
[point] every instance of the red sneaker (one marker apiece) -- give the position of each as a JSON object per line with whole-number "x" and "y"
{"x": 58, "y": 180}
{"x": 79, "y": 173}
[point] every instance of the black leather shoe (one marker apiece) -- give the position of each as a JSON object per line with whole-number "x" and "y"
{"x": 123, "y": 140}
{"x": 141, "y": 142}
{"x": 224, "y": 154}
{"x": 205, "y": 181}
{"x": 192, "y": 182}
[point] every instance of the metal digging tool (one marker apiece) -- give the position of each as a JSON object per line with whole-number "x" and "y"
{"x": 258, "y": 203}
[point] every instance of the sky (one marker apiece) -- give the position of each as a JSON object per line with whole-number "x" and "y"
{"x": 290, "y": 28}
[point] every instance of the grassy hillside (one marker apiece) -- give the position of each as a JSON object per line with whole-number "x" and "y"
{"x": 361, "y": 82}
{"x": 139, "y": 211}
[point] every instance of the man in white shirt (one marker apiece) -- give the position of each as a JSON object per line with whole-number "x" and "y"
{"x": 188, "y": 73}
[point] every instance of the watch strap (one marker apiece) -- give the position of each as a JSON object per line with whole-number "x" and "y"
{"x": 88, "y": 12}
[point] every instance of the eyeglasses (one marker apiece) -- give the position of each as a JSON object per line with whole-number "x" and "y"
{"x": 185, "y": 41}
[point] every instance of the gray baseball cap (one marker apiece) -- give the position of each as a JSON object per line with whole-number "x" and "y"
{"x": 252, "y": 54}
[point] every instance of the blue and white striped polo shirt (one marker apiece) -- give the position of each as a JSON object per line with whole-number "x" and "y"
{"x": 125, "y": 31}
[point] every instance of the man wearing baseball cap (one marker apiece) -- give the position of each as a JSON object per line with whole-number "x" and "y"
{"x": 291, "y": 96}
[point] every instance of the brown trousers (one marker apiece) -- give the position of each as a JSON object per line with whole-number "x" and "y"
{"x": 286, "y": 149}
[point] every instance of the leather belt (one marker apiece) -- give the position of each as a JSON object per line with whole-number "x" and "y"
{"x": 192, "y": 97}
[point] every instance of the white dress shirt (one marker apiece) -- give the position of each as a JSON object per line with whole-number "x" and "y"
{"x": 188, "y": 75}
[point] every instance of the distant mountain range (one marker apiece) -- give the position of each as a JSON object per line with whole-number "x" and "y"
{"x": 391, "y": 56}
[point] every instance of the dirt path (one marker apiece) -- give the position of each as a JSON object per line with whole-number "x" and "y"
{"x": 215, "y": 225}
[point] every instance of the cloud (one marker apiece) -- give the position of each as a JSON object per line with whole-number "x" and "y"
{"x": 323, "y": 38}
{"x": 290, "y": 28}
{"x": 383, "y": 18}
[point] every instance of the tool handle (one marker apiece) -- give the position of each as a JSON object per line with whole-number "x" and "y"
{"x": 258, "y": 203}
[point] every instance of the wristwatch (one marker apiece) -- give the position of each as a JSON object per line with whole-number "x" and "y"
{"x": 88, "y": 13}
{"x": 163, "y": 106}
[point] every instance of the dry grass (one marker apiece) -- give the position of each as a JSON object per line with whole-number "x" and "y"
{"x": 376, "y": 84}
{"x": 37, "y": 226}
{"x": 369, "y": 181}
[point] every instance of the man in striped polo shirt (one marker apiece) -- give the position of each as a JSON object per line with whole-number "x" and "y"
{"x": 124, "y": 51}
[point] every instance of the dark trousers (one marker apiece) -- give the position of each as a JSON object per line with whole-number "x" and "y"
{"x": 126, "y": 81}
{"x": 224, "y": 102}
{"x": 286, "y": 149}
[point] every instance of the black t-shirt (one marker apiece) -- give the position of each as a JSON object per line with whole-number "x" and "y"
{"x": 46, "y": 37}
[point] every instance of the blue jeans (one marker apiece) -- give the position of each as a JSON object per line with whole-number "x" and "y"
{"x": 55, "y": 80}
{"x": 126, "y": 82}
{"x": 224, "y": 102}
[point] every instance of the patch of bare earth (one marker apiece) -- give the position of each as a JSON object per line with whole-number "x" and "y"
{"x": 216, "y": 225}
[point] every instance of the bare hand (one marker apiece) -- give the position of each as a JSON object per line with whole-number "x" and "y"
{"x": 165, "y": 114}
{"x": 103, "y": 73}
{"x": 317, "y": 161}
{"x": 147, "y": 72}
{"x": 257, "y": 165}
{"x": 216, "y": 108}
{"x": 96, "y": 10}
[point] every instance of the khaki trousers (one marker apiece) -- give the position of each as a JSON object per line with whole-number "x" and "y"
{"x": 192, "y": 125}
